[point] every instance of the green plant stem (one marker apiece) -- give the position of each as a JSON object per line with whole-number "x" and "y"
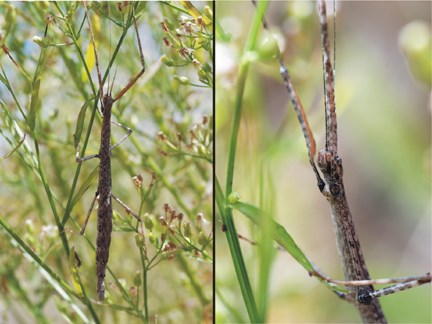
{"x": 226, "y": 212}
{"x": 145, "y": 287}
{"x": 236, "y": 254}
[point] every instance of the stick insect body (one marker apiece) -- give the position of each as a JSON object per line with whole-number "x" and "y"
{"x": 361, "y": 290}
{"x": 104, "y": 214}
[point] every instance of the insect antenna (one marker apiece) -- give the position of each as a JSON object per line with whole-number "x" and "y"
{"x": 95, "y": 53}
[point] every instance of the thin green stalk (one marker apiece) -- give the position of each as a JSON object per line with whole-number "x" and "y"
{"x": 236, "y": 254}
{"x": 145, "y": 287}
{"x": 226, "y": 213}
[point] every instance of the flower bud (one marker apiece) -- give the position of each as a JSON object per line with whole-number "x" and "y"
{"x": 269, "y": 49}
{"x": 167, "y": 61}
{"x": 182, "y": 79}
{"x": 233, "y": 197}
{"x": 202, "y": 239}
{"x": 187, "y": 230}
{"x": 137, "y": 279}
{"x": 148, "y": 222}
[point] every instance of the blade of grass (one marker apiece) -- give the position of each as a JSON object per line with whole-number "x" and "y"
{"x": 265, "y": 249}
{"x": 283, "y": 238}
{"x": 236, "y": 254}
{"x": 226, "y": 213}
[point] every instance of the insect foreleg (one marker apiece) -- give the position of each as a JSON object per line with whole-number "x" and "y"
{"x": 129, "y": 210}
{"x": 128, "y": 133}
{"x": 88, "y": 213}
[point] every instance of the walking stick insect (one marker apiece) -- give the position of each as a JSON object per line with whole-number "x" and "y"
{"x": 357, "y": 278}
{"x": 104, "y": 213}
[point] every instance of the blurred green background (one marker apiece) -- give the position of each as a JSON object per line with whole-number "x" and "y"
{"x": 383, "y": 80}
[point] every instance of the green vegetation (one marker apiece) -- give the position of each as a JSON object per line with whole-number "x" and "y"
{"x": 160, "y": 270}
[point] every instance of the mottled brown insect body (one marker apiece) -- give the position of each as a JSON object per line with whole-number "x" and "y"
{"x": 104, "y": 215}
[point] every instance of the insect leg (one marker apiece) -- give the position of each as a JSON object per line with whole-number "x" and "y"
{"x": 128, "y": 133}
{"x": 130, "y": 211}
{"x": 85, "y": 158}
{"x": 88, "y": 213}
{"x": 135, "y": 79}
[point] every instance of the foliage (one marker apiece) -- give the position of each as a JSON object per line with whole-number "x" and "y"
{"x": 159, "y": 269}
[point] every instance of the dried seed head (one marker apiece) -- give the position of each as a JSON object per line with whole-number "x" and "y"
{"x": 166, "y": 207}
{"x": 169, "y": 246}
{"x": 162, "y": 221}
{"x": 49, "y": 19}
{"x": 164, "y": 26}
{"x": 167, "y": 42}
{"x": 172, "y": 214}
{"x": 205, "y": 119}
{"x": 161, "y": 136}
{"x": 180, "y": 216}
{"x": 184, "y": 51}
{"x": 180, "y": 137}
{"x": 138, "y": 180}
{"x": 196, "y": 63}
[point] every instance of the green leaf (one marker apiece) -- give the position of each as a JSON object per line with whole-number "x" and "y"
{"x": 34, "y": 100}
{"x": 80, "y": 124}
{"x": 280, "y": 234}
